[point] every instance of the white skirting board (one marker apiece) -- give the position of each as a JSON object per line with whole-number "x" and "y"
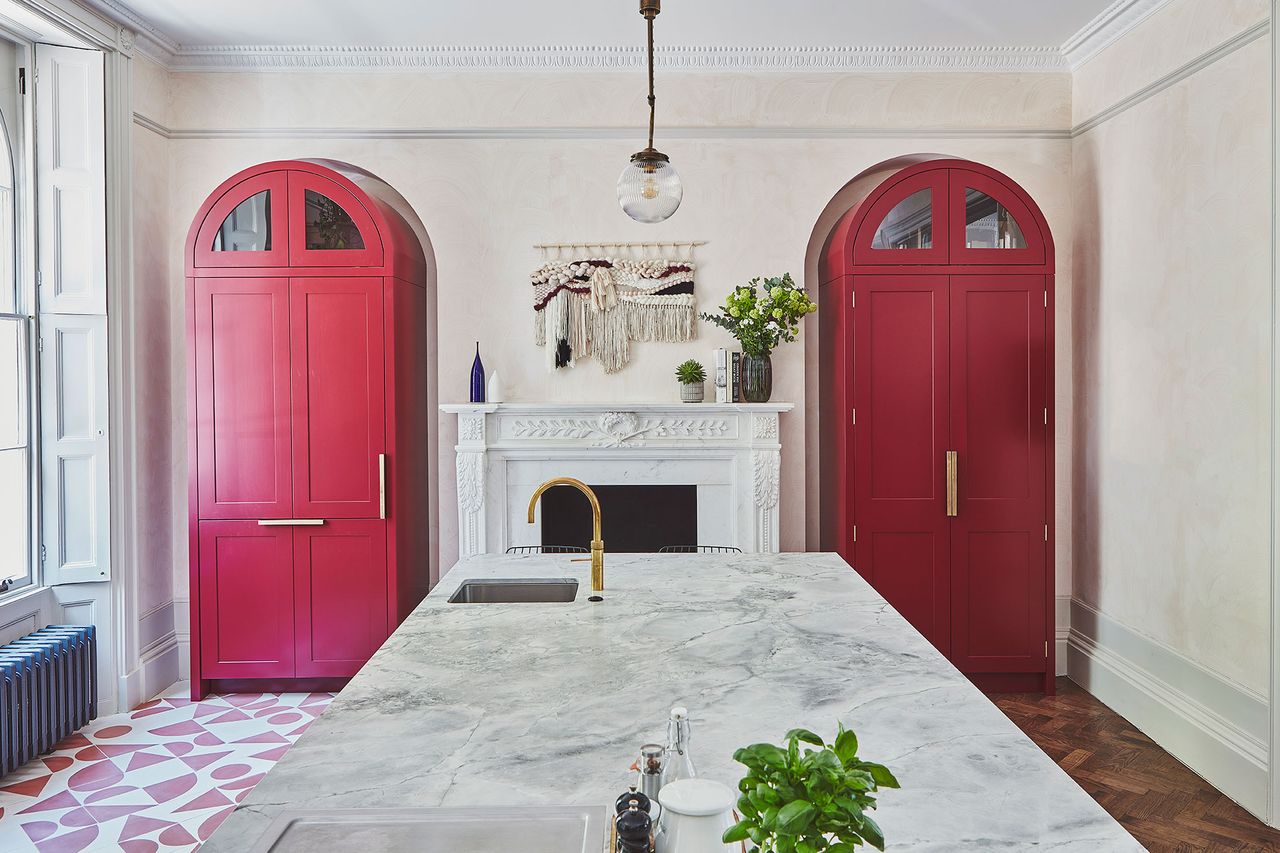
{"x": 1216, "y": 727}
{"x": 158, "y": 658}
{"x": 156, "y": 672}
{"x": 1062, "y": 629}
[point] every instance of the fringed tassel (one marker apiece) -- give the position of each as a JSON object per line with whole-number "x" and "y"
{"x": 666, "y": 323}
{"x": 571, "y": 326}
{"x": 608, "y": 336}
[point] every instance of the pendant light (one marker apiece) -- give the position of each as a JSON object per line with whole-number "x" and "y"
{"x": 649, "y": 187}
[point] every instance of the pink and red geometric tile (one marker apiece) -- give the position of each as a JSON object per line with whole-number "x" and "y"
{"x": 160, "y": 778}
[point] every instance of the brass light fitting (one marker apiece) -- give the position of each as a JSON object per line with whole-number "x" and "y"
{"x": 649, "y": 188}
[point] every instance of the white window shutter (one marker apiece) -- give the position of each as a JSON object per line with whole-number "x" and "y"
{"x": 75, "y": 464}
{"x": 71, "y": 180}
{"x": 71, "y": 236}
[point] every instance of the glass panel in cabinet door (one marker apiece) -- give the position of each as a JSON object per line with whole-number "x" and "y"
{"x": 905, "y": 221}
{"x": 909, "y": 225}
{"x": 243, "y": 224}
{"x": 1000, "y": 226}
{"x": 247, "y": 227}
{"x": 328, "y": 225}
{"x": 988, "y": 224}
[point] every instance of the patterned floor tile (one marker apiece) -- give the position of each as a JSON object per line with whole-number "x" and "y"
{"x": 160, "y": 778}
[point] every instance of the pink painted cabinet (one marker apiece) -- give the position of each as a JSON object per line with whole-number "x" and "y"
{"x": 308, "y": 426}
{"x": 936, "y": 411}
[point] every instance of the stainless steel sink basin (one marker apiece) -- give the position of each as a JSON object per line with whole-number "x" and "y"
{"x": 542, "y": 829}
{"x": 515, "y": 591}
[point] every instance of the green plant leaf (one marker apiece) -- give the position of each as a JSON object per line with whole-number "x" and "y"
{"x": 846, "y": 746}
{"x": 882, "y": 775}
{"x": 805, "y": 735}
{"x": 740, "y": 831}
{"x": 795, "y": 817}
{"x": 871, "y": 832}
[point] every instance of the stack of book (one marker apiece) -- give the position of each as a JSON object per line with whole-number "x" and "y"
{"x": 728, "y": 376}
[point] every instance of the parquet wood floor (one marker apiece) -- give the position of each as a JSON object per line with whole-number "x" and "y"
{"x": 1162, "y": 803}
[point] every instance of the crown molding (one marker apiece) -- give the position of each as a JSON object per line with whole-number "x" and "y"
{"x": 1107, "y": 28}
{"x": 154, "y": 42}
{"x": 594, "y": 133}
{"x": 449, "y": 59}
{"x": 1095, "y": 36}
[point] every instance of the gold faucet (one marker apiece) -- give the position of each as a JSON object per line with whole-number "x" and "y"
{"x": 597, "y": 544}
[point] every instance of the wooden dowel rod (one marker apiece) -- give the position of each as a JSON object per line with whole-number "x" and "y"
{"x": 656, "y": 244}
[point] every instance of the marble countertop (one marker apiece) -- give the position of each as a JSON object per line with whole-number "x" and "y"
{"x": 518, "y": 704}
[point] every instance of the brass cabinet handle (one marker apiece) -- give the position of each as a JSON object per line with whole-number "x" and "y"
{"x": 952, "y": 475}
{"x": 290, "y": 522}
{"x": 382, "y": 486}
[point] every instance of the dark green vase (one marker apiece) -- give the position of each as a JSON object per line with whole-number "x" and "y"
{"x": 757, "y": 378}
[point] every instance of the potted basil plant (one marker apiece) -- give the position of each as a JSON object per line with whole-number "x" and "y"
{"x": 762, "y": 314}
{"x": 692, "y": 375}
{"x": 811, "y": 802}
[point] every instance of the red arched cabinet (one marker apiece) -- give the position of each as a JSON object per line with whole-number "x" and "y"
{"x": 936, "y": 407}
{"x": 307, "y": 358}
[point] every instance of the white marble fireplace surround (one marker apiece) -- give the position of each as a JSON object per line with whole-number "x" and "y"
{"x": 730, "y": 451}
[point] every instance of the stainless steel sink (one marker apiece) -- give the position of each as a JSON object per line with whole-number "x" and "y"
{"x": 515, "y": 591}
{"x": 541, "y": 829}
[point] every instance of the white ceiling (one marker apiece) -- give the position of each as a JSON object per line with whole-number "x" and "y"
{"x": 702, "y": 23}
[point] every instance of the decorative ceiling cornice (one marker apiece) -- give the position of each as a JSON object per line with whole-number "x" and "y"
{"x": 160, "y": 45}
{"x": 612, "y": 58}
{"x": 1108, "y": 26}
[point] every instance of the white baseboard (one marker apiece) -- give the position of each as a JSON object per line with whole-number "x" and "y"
{"x": 156, "y": 672}
{"x": 1062, "y": 629}
{"x": 182, "y": 625}
{"x": 1216, "y": 727}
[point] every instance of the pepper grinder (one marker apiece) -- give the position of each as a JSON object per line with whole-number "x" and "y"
{"x": 632, "y": 824}
{"x": 633, "y": 827}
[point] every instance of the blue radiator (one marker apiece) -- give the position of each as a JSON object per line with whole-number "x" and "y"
{"x": 48, "y": 689}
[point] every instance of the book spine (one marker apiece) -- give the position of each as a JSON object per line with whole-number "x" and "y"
{"x": 735, "y": 383}
{"x": 722, "y": 376}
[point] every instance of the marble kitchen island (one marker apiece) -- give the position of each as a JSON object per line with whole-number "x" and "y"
{"x": 518, "y": 704}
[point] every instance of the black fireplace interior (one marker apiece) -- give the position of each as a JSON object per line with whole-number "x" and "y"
{"x": 636, "y": 519}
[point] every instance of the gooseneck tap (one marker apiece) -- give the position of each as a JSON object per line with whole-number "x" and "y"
{"x": 597, "y": 544}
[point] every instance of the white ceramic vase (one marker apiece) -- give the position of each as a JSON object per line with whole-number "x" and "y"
{"x": 493, "y": 394}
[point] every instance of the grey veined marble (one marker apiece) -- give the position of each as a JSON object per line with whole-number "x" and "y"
{"x": 518, "y": 704}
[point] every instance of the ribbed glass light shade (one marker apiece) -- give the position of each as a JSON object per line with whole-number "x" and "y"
{"x": 649, "y": 190}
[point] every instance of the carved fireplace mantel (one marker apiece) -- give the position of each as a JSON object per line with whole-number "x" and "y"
{"x": 731, "y": 452}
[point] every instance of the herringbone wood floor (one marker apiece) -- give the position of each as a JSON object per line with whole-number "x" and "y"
{"x": 1162, "y": 803}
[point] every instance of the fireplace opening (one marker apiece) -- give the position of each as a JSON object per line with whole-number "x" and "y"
{"x": 636, "y": 519}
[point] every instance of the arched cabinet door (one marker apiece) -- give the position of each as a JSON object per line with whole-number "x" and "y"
{"x": 906, "y": 223}
{"x": 328, "y": 226}
{"x": 247, "y": 226}
{"x": 990, "y": 223}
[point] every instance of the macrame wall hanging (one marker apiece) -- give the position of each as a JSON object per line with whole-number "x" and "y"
{"x": 595, "y": 305}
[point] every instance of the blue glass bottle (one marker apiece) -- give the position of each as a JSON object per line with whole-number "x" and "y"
{"x": 477, "y": 378}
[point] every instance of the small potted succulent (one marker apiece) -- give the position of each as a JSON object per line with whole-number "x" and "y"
{"x": 815, "y": 802}
{"x": 692, "y": 376}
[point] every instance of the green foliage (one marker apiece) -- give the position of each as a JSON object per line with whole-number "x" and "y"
{"x": 815, "y": 802}
{"x": 761, "y": 321}
{"x": 691, "y": 372}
